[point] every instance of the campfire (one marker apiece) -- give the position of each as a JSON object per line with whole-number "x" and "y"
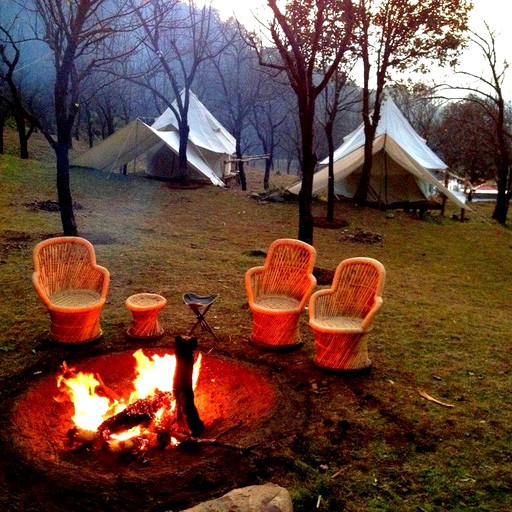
{"x": 158, "y": 412}
{"x": 244, "y": 409}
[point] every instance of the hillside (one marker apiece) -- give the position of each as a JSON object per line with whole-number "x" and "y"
{"x": 363, "y": 442}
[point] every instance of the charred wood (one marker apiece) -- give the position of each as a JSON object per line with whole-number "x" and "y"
{"x": 140, "y": 412}
{"x": 182, "y": 384}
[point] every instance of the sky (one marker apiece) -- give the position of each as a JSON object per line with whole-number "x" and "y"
{"x": 241, "y": 9}
{"x": 495, "y": 12}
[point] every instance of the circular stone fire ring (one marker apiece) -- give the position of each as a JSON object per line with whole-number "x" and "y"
{"x": 230, "y": 396}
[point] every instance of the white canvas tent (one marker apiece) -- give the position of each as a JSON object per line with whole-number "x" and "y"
{"x": 209, "y": 146}
{"x": 403, "y": 165}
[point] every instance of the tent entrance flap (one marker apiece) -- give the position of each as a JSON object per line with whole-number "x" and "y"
{"x": 389, "y": 183}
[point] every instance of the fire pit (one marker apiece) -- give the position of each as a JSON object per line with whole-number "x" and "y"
{"x": 157, "y": 409}
{"x": 236, "y": 403}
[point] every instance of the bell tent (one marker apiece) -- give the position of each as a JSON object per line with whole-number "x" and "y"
{"x": 403, "y": 171}
{"x": 209, "y": 146}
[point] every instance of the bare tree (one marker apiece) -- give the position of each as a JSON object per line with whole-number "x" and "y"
{"x": 240, "y": 81}
{"x": 469, "y": 143}
{"x": 402, "y": 35}
{"x": 337, "y": 98}
{"x": 79, "y": 34}
{"x": 290, "y": 143}
{"x": 266, "y": 119}
{"x": 13, "y": 92}
{"x": 178, "y": 38}
{"x": 302, "y": 33}
{"x": 109, "y": 102}
{"x": 417, "y": 101}
{"x": 488, "y": 88}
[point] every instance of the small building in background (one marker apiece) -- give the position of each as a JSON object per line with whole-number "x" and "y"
{"x": 484, "y": 192}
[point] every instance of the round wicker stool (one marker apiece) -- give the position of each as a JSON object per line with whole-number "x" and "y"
{"x": 145, "y": 308}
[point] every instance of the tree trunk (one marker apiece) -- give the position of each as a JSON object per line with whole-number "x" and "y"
{"x": 266, "y": 177}
{"x": 63, "y": 190}
{"x": 240, "y": 164}
{"x": 309, "y": 160}
{"x": 500, "y": 212}
{"x": 90, "y": 134}
{"x": 182, "y": 153}
{"x": 3, "y": 118}
{"x": 78, "y": 121}
{"x": 502, "y": 201}
{"x": 110, "y": 124}
{"x": 330, "y": 182}
{"x": 370, "y": 120}
{"x": 445, "y": 199}
{"x": 20, "y": 127}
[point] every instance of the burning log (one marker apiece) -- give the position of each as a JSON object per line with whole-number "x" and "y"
{"x": 126, "y": 432}
{"x": 82, "y": 436}
{"x": 136, "y": 445}
{"x": 182, "y": 384}
{"x": 167, "y": 405}
{"x": 141, "y": 412}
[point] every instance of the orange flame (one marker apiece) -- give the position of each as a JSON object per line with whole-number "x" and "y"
{"x": 91, "y": 409}
{"x": 155, "y": 373}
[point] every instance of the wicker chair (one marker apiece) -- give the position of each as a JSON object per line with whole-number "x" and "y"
{"x": 342, "y": 316}
{"x": 278, "y": 292}
{"x": 72, "y": 286}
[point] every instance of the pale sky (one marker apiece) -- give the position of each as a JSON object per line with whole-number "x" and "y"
{"x": 497, "y": 14}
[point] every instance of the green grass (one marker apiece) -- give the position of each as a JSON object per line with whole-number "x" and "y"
{"x": 369, "y": 443}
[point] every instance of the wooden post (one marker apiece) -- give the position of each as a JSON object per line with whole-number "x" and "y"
{"x": 182, "y": 384}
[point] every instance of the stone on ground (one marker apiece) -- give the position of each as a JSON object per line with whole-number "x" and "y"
{"x": 255, "y": 498}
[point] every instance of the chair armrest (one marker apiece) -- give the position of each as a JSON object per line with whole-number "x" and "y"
{"x": 103, "y": 280}
{"x": 368, "y": 319}
{"x": 40, "y": 289}
{"x": 96, "y": 278}
{"x": 310, "y": 286}
{"x": 318, "y": 301}
{"x": 253, "y": 282}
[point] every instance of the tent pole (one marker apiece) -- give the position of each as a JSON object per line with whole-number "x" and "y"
{"x": 385, "y": 171}
{"x": 443, "y": 204}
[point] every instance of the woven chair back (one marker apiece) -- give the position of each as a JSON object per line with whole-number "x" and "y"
{"x": 66, "y": 263}
{"x": 356, "y": 284}
{"x": 287, "y": 266}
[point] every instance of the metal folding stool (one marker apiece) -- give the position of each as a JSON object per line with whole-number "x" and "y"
{"x": 200, "y": 304}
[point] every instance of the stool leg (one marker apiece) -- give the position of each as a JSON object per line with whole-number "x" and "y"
{"x": 194, "y": 327}
{"x": 197, "y": 312}
{"x": 207, "y": 326}
{"x": 202, "y": 320}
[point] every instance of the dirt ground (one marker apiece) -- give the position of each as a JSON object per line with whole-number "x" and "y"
{"x": 262, "y": 407}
